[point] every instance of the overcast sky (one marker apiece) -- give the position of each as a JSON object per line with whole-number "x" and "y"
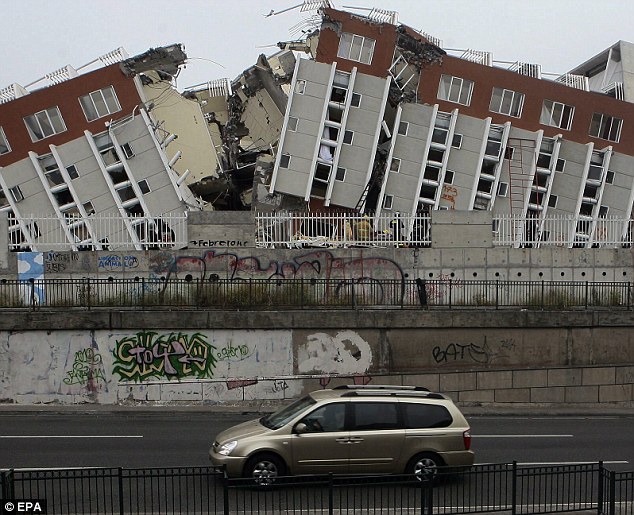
{"x": 223, "y": 37}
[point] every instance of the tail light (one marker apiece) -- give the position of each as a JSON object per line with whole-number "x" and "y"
{"x": 466, "y": 436}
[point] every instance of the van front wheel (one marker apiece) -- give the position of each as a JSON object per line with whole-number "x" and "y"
{"x": 265, "y": 468}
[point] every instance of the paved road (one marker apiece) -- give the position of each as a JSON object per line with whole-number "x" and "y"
{"x": 182, "y": 437}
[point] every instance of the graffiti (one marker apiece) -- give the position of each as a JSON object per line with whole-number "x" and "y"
{"x": 279, "y": 385}
{"x": 327, "y": 354}
{"x": 172, "y": 356}
{"x": 439, "y": 288}
{"x": 219, "y": 243}
{"x": 87, "y": 369}
{"x": 113, "y": 262}
{"x": 449, "y": 193}
{"x": 482, "y": 354}
{"x": 230, "y": 352}
{"x": 56, "y": 262}
{"x": 507, "y": 343}
{"x": 321, "y": 264}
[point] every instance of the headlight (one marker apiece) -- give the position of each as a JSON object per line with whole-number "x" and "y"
{"x": 226, "y": 448}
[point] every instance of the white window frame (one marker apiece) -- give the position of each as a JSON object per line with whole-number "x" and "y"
{"x": 450, "y": 175}
{"x": 128, "y": 151}
{"x": 609, "y": 177}
{"x": 49, "y": 128}
{"x": 345, "y": 136}
{"x": 16, "y": 193}
{"x": 356, "y": 99}
{"x": 503, "y": 189}
{"x": 356, "y": 48}
{"x": 99, "y": 103}
{"x": 403, "y": 128}
{"x": 388, "y": 202}
{"x": 146, "y": 186}
{"x": 293, "y": 123}
{"x": 455, "y": 89}
{"x": 454, "y": 137}
{"x": 288, "y": 160}
{"x": 605, "y": 121}
{"x": 552, "y": 201}
{"x": 395, "y": 161}
{"x": 514, "y": 101}
{"x": 563, "y": 165}
{"x": 340, "y": 171}
{"x": 553, "y": 114}
{"x": 73, "y": 173}
{"x": 4, "y": 143}
{"x": 300, "y": 87}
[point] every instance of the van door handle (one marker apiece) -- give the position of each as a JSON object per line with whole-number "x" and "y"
{"x": 356, "y": 439}
{"x": 342, "y": 440}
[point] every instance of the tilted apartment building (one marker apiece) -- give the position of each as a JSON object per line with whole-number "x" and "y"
{"x": 87, "y": 144}
{"x": 382, "y": 120}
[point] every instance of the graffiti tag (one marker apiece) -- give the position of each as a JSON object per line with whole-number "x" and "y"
{"x": 87, "y": 369}
{"x": 466, "y": 352}
{"x": 231, "y": 353}
{"x": 114, "y": 262}
{"x": 172, "y": 356}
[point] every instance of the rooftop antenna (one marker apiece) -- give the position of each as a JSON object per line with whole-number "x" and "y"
{"x": 306, "y": 5}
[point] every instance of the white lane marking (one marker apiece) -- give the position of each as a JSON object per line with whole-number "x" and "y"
{"x": 70, "y": 436}
{"x": 521, "y": 436}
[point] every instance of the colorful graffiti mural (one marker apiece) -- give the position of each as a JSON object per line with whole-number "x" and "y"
{"x": 164, "y": 356}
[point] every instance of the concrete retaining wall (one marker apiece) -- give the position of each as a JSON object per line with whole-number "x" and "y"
{"x": 113, "y": 357}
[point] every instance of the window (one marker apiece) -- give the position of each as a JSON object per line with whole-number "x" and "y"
{"x": 609, "y": 178}
{"x": 603, "y": 211}
{"x": 503, "y": 189}
{"x": 89, "y": 208}
{"x": 300, "y": 87}
{"x": 560, "y": 165}
{"x": 16, "y": 193}
{"x": 509, "y": 153}
{"x": 341, "y": 174}
{"x": 356, "y": 48}
{"x": 449, "y": 176}
{"x": 347, "y": 137}
{"x": 506, "y": 101}
{"x": 285, "y": 160}
{"x": 51, "y": 171}
{"x": 388, "y": 201}
{"x": 606, "y": 127}
{"x": 128, "y": 151}
{"x": 395, "y": 166}
{"x": 426, "y": 416}
{"x": 4, "y": 144}
{"x": 455, "y": 89}
{"x": 403, "y": 127}
{"x": 557, "y": 114}
{"x": 72, "y": 171}
{"x": 456, "y": 141}
{"x": 552, "y": 201}
{"x": 292, "y": 123}
{"x": 355, "y": 101}
{"x": 372, "y": 416}
{"x": 44, "y": 123}
{"x": 100, "y": 103}
{"x": 144, "y": 186}
{"x": 326, "y": 419}
{"x": 126, "y": 193}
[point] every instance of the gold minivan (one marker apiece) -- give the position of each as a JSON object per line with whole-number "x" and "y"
{"x": 349, "y": 430}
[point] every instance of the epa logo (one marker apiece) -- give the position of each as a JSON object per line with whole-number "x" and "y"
{"x": 24, "y": 506}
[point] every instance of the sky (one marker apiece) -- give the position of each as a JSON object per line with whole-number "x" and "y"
{"x": 224, "y": 37}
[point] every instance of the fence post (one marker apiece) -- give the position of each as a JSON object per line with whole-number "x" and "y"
{"x": 32, "y": 293}
{"x": 514, "y": 490}
{"x": 250, "y": 292}
{"x": 88, "y": 292}
{"x": 586, "y": 294}
{"x": 497, "y": 294}
{"x": 120, "y": 478}
{"x": 354, "y": 303}
{"x": 331, "y": 496}
{"x": 450, "y": 292}
{"x": 542, "y": 300}
{"x": 612, "y": 508}
{"x": 225, "y": 490}
{"x": 142, "y": 291}
{"x": 629, "y": 290}
{"x": 601, "y": 486}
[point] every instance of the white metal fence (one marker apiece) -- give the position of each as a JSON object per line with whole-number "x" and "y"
{"x": 300, "y": 229}
{"x": 97, "y": 232}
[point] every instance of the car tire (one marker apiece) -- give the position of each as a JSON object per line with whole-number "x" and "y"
{"x": 264, "y": 468}
{"x": 424, "y": 466}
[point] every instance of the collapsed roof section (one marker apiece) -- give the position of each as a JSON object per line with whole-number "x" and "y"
{"x": 166, "y": 60}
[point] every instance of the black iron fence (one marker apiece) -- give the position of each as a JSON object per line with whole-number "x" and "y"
{"x": 312, "y": 293}
{"x": 202, "y": 490}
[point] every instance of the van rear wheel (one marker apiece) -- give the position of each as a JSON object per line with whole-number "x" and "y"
{"x": 424, "y": 466}
{"x": 265, "y": 468}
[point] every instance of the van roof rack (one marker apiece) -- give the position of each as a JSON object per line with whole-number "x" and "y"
{"x": 393, "y": 393}
{"x": 380, "y": 387}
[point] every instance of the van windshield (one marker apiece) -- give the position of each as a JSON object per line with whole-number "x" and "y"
{"x": 281, "y": 417}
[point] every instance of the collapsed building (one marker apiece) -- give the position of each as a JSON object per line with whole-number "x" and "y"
{"x": 363, "y": 115}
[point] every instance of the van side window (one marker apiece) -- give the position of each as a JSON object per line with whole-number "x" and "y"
{"x": 371, "y": 416}
{"x": 424, "y": 416}
{"x": 327, "y": 419}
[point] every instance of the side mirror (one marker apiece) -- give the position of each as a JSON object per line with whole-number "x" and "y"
{"x": 301, "y": 428}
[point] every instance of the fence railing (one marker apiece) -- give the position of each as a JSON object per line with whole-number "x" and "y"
{"x": 486, "y": 488}
{"x": 313, "y": 293}
{"x": 97, "y": 232}
{"x": 292, "y": 230}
